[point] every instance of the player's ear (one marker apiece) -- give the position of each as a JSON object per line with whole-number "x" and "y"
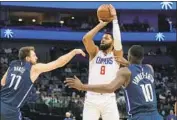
{"x": 27, "y": 58}
{"x": 129, "y": 57}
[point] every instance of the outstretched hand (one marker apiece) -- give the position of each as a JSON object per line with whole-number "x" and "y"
{"x": 74, "y": 83}
{"x": 79, "y": 51}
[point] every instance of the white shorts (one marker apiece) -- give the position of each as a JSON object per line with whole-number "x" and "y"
{"x": 104, "y": 106}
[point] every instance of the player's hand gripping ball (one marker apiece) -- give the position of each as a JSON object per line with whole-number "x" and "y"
{"x": 104, "y": 13}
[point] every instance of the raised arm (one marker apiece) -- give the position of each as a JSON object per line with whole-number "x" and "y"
{"x": 118, "y": 51}
{"x": 60, "y": 62}
{"x": 88, "y": 42}
{"x": 116, "y": 33}
{"x": 122, "y": 78}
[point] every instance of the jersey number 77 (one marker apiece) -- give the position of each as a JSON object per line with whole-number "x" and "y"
{"x": 15, "y": 81}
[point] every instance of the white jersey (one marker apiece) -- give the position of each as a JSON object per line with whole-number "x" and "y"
{"x": 102, "y": 69}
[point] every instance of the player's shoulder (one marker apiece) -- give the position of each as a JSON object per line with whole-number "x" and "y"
{"x": 125, "y": 71}
{"x": 118, "y": 52}
{"x": 13, "y": 62}
{"x": 99, "y": 51}
{"x": 150, "y": 66}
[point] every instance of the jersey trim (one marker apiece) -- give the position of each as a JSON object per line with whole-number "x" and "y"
{"x": 128, "y": 102}
{"x": 25, "y": 96}
{"x": 90, "y": 61}
{"x": 20, "y": 115}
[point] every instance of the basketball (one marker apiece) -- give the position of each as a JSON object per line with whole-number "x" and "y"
{"x": 103, "y": 13}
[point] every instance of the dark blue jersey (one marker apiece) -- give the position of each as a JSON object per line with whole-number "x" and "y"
{"x": 140, "y": 93}
{"x": 18, "y": 84}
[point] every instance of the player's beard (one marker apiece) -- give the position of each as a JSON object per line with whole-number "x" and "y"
{"x": 105, "y": 46}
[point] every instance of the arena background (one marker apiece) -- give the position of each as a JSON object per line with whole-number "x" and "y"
{"x": 54, "y": 28}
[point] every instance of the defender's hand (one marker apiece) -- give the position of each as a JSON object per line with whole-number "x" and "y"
{"x": 74, "y": 83}
{"x": 79, "y": 51}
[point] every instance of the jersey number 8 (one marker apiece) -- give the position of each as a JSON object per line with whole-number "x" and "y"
{"x": 102, "y": 71}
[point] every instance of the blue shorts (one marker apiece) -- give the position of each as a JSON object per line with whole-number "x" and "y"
{"x": 147, "y": 116}
{"x": 9, "y": 112}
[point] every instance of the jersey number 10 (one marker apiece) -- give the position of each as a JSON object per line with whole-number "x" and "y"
{"x": 147, "y": 91}
{"x": 17, "y": 82}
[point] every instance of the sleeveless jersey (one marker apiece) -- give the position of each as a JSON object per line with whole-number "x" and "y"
{"x": 140, "y": 93}
{"x": 102, "y": 69}
{"x": 18, "y": 84}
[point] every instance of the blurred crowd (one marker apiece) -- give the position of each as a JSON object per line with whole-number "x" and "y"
{"x": 51, "y": 97}
{"x": 84, "y": 23}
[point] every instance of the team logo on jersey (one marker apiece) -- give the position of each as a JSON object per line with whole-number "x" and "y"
{"x": 108, "y": 60}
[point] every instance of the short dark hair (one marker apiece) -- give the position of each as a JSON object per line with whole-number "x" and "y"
{"x": 25, "y": 51}
{"x": 137, "y": 51}
{"x": 109, "y": 33}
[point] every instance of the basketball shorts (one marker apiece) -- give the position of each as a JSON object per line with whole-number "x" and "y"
{"x": 147, "y": 116}
{"x": 9, "y": 112}
{"x": 104, "y": 106}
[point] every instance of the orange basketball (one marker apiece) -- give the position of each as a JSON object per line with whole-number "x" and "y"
{"x": 103, "y": 13}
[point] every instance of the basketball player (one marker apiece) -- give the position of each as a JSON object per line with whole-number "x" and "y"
{"x": 138, "y": 82}
{"x": 102, "y": 69}
{"x": 18, "y": 81}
